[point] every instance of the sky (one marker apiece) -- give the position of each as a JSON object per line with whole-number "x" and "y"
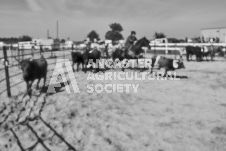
{"x": 175, "y": 18}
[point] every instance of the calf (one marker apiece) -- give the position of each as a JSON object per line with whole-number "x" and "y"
{"x": 32, "y": 70}
{"x": 77, "y": 57}
{"x": 166, "y": 63}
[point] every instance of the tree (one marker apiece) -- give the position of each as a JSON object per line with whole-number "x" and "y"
{"x": 16, "y": 39}
{"x": 25, "y": 38}
{"x": 196, "y": 39}
{"x": 93, "y": 35}
{"x": 115, "y": 33}
{"x": 175, "y": 40}
{"x": 62, "y": 41}
{"x": 116, "y": 27}
{"x": 158, "y": 35}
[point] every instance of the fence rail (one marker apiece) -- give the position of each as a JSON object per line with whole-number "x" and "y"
{"x": 15, "y": 55}
{"x": 188, "y": 44}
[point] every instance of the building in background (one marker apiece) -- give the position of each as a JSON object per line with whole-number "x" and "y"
{"x": 213, "y": 34}
{"x": 46, "y": 44}
{"x": 69, "y": 44}
{"x": 159, "y": 40}
{"x": 26, "y": 45}
{"x": 1, "y": 44}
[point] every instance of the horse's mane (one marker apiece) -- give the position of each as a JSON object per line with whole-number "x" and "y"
{"x": 140, "y": 40}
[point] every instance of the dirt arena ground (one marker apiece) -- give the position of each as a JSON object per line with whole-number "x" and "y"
{"x": 184, "y": 115}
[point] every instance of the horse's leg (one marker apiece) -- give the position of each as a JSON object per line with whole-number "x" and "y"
{"x": 124, "y": 65}
{"x": 141, "y": 69}
{"x": 37, "y": 87}
{"x": 96, "y": 67}
{"x": 85, "y": 65}
{"x": 152, "y": 64}
{"x": 107, "y": 54}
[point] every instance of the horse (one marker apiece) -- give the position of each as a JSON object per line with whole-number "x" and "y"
{"x": 135, "y": 52}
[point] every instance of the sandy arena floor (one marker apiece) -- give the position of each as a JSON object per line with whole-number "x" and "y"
{"x": 184, "y": 115}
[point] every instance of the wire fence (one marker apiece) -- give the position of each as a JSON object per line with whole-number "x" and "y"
{"x": 10, "y": 59}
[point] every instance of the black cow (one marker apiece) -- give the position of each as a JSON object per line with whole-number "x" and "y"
{"x": 77, "y": 57}
{"x": 191, "y": 50}
{"x": 93, "y": 55}
{"x": 166, "y": 63}
{"x": 32, "y": 70}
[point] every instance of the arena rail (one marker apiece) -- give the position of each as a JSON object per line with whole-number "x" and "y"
{"x": 179, "y": 48}
{"x": 187, "y": 44}
{"x": 19, "y": 54}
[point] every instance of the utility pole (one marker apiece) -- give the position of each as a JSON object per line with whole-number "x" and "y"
{"x": 48, "y": 34}
{"x": 57, "y": 29}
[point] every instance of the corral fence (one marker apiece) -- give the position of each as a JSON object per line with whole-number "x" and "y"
{"x": 179, "y": 48}
{"x": 10, "y": 65}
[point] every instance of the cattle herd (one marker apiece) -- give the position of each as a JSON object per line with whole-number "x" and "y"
{"x": 201, "y": 52}
{"x": 37, "y": 68}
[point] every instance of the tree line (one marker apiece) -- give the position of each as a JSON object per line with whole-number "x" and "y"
{"x": 16, "y": 39}
{"x": 114, "y": 34}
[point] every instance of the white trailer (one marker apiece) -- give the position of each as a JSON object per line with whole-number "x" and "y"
{"x": 1, "y": 44}
{"x": 45, "y": 43}
{"x": 26, "y": 45}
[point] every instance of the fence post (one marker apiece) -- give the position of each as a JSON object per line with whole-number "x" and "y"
{"x": 63, "y": 52}
{"x": 22, "y": 52}
{"x": 18, "y": 52}
{"x": 40, "y": 50}
{"x": 6, "y": 63}
{"x": 32, "y": 51}
{"x": 166, "y": 48}
{"x": 175, "y": 54}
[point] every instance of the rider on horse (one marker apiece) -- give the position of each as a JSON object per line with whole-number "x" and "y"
{"x": 130, "y": 40}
